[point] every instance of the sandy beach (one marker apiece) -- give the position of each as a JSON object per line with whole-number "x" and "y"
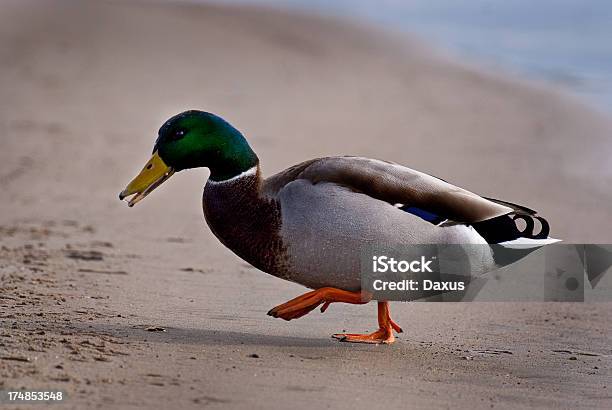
{"x": 144, "y": 308}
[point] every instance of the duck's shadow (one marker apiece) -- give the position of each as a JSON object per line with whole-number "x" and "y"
{"x": 177, "y": 335}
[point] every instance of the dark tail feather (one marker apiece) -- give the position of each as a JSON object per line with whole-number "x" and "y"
{"x": 504, "y": 228}
{"x": 508, "y": 242}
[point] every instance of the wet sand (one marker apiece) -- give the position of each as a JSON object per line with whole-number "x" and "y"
{"x": 143, "y": 308}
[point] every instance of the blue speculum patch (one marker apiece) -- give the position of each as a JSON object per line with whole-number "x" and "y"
{"x": 428, "y": 216}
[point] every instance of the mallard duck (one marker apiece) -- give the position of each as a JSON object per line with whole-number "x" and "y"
{"x": 308, "y": 223}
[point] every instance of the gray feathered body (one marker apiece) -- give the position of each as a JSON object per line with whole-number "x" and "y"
{"x": 310, "y": 223}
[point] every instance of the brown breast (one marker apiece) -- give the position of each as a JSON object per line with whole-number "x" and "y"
{"x": 246, "y": 222}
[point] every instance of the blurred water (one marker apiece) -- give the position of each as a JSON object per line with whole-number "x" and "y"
{"x": 565, "y": 42}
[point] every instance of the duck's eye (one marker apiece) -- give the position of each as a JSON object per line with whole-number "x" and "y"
{"x": 178, "y": 134}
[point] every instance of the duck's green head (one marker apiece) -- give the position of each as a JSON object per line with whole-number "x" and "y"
{"x": 193, "y": 139}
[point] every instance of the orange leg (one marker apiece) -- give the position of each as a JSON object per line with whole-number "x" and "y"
{"x": 384, "y": 334}
{"x": 307, "y": 302}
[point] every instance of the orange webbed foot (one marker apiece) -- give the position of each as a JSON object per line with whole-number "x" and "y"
{"x": 381, "y": 336}
{"x": 384, "y": 334}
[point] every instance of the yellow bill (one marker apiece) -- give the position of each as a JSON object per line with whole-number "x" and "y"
{"x": 154, "y": 173}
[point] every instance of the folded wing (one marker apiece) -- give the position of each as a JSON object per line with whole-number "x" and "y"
{"x": 395, "y": 184}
